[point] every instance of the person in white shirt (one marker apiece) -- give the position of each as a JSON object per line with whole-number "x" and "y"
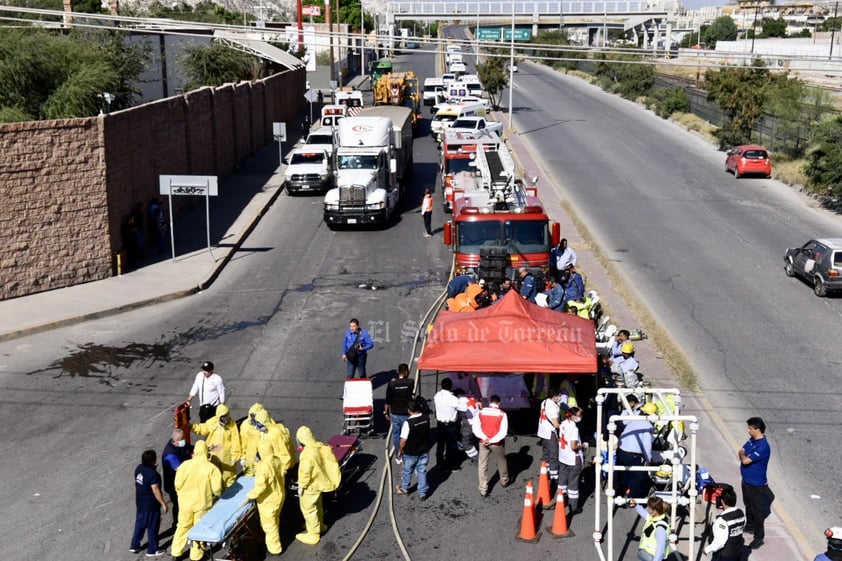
{"x": 447, "y": 412}
{"x": 727, "y": 541}
{"x": 491, "y": 429}
{"x": 210, "y": 389}
{"x": 571, "y": 458}
{"x": 549, "y": 420}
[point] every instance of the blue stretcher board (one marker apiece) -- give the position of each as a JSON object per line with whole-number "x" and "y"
{"x": 215, "y": 526}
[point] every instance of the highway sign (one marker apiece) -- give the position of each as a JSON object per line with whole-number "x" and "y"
{"x": 521, "y": 34}
{"x": 494, "y": 33}
{"x": 488, "y": 33}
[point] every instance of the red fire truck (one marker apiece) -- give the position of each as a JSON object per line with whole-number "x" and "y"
{"x": 498, "y": 229}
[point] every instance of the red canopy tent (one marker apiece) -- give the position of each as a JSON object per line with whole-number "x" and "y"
{"x": 513, "y": 335}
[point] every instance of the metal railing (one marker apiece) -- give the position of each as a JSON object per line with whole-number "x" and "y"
{"x": 528, "y": 8}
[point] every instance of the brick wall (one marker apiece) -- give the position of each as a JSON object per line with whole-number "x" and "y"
{"x": 54, "y": 209}
{"x": 68, "y": 184}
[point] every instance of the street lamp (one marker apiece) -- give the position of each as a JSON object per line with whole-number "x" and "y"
{"x": 362, "y": 41}
{"x": 330, "y": 36}
{"x": 511, "y": 67}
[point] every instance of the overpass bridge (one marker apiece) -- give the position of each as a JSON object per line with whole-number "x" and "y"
{"x": 636, "y": 17}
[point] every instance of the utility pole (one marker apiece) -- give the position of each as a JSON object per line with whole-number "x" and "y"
{"x": 362, "y": 40}
{"x": 511, "y": 67}
{"x": 329, "y": 20}
{"x": 833, "y": 31}
{"x": 754, "y": 28}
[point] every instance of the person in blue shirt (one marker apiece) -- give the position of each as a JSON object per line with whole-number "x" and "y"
{"x": 757, "y": 497}
{"x": 355, "y": 349}
{"x": 528, "y": 289}
{"x": 460, "y": 283}
{"x": 555, "y": 296}
{"x": 574, "y": 285}
{"x": 149, "y": 502}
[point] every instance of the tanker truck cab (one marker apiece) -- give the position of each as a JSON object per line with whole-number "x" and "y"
{"x": 367, "y": 189}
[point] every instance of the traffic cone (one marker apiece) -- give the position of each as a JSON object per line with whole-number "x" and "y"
{"x": 544, "y": 498}
{"x": 528, "y": 525}
{"x": 559, "y": 528}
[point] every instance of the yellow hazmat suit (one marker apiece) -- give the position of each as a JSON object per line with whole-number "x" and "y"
{"x": 269, "y": 493}
{"x": 281, "y": 440}
{"x": 312, "y": 482}
{"x": 223, "y": 442}
{"x": 249, "y": 438}
{"x": 197, "y": 482}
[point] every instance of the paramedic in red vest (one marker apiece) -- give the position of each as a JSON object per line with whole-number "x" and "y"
{"x": 548, "y": 423}
{"x": 491, "y": 428}
{"x": 727, "y": 543}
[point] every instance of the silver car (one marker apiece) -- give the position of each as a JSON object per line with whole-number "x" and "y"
{"x": 819, "y": 262}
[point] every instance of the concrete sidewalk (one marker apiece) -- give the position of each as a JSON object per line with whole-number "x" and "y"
{"x": 717, "y": 448}
{"x": 245, "y": 197}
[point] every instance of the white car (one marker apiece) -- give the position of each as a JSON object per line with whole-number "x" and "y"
{"x": 462, "y": 100}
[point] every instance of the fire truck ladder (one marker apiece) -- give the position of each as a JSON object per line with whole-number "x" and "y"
{"x": 495, "y": 167}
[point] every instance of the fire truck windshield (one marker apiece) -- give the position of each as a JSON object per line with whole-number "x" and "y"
{"x": 521, "y": 236}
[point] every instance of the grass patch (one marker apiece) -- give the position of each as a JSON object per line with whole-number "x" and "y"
{"x": 662, "y": 340}
{"x": 788, "y": 170}
{"x": 695, "y": 123}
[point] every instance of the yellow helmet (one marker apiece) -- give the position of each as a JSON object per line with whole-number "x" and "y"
{"x": 649, "y": 408}
{"x": 627, "y": 348}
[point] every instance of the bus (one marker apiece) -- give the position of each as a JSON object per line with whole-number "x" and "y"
{"x": 380, "y": 68}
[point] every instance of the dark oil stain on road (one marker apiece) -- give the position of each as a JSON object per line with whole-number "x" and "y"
{"x": 99, "y": 361}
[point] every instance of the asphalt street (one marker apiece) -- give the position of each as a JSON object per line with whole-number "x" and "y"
{"x": 704, "y": 252}
{"x": 80, "y": 403}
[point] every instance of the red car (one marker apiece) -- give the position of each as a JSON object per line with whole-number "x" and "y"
{"x": 748, "y": 159}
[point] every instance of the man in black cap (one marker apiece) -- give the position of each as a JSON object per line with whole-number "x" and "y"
{"x": 210, "y": 389}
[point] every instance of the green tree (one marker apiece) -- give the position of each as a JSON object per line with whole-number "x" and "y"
{"x": 694, "y": 37}
{"x": 783, "y": 100}
{"x": 773, "y": 27}
{"x": 45, "y": 74}
{"x": 215, "y": 64}
{"x": 624, "y": 74}
{"x": 742, "y": 95}
{"x": 824, "y": 157}
{"x": 723, "y": 28}
{"x": 493, "y": 77}
{"x": 831, "y": 23}
{"x": 806, "y": 33}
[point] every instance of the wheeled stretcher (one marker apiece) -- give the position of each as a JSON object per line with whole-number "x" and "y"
{"x": 226, "y": 524}
{"x": 344, "y": 447}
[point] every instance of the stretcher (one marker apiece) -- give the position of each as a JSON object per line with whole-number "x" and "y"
{"x": 344, "y": 447}
{"x": 226, "y": 523}
{"x": 358, "y": 405}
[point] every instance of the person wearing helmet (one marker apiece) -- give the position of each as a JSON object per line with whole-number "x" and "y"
{"x": 197, "y": 483}
{"x": 268, "y": 493}
{"x": 649, "y": 409}
{"x": 625, "y": 368}
{"x": 634, "y": 449}
{"x": 834, "y": 545}
{"x": 223, "y": 441}
{"x": 623, "y": 336}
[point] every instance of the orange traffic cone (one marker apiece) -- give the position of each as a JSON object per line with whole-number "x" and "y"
{"x": 559, "y": 528}
{"x": 528, "y": 525}
{"x": 544, "y": 498}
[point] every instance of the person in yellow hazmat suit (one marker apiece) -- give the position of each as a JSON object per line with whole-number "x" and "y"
{"x": 269, "y": 493}
{"x": 197, "y": 482}
{"x": 223, "y": 440}
{"x": 280, "y": 438}
{"x": 317, "y": 474}
{"x": 249, "y": 438}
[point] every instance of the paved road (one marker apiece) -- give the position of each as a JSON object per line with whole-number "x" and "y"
{"x": 704, "y": 252}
